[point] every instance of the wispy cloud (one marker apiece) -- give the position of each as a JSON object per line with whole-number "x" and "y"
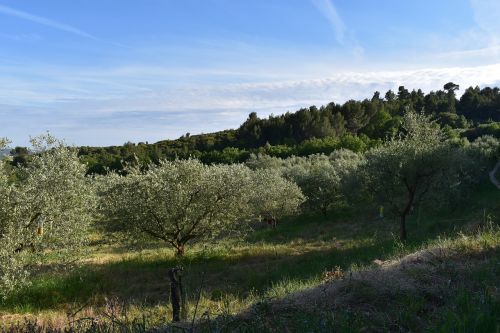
{"x": 486, "y": 15}
{"x": 45, "y": 21}
{"x": 343, "y": 36}
{"x": 328, "y": 9}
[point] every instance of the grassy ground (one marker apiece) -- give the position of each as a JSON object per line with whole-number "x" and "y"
{"x": 449, "y": 286}
{"x": 125, "y": 282}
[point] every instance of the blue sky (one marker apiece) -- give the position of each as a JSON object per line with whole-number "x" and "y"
{"x": 100, "y": 72}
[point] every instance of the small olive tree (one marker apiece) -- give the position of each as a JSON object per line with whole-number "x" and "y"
{"x": 348, "y": 164}
{"x": 274, "y": 196}
{"x": 46, "y": 209}
{"x": 186, "y": 201}
{"x": 418, "y": 164}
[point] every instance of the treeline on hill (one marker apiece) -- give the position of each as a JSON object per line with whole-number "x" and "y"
{"x": 354, "y": 125}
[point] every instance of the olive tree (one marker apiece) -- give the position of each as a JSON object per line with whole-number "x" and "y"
{"x": 348, "y": 164}
{"x": 46, "y": 209}
{"x": 12, "y": 271}
{"x": 325, "y": 180}
{"x": 55, "y": 188}
{"x": 185, "y": 201}
{"x": 318, "y": 179}
{"x": 486, "y": 148}
{"x": 263, "y": 161}
{"x": 414, "y": 166}
{"x": 273, "y": 196}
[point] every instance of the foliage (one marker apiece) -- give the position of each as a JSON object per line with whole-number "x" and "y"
{"x": 185, "y": 201}
{"x": 264, "y": 161}
{"x": 46, "y": 212}
{"x": 274, "y": 196}
{"x": 486, "y": 148}
{"x": 349, "y": 166}
{"x": 355, "y": 125}
{"x": 489, "y": 128}
{"x": 12, "y": 271}
{"x": 411, "y": 167}
{"x": 318, "y": 180}
{"x": 325, "y": 180}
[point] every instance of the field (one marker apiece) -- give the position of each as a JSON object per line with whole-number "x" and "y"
{"x": 240, "y": 285}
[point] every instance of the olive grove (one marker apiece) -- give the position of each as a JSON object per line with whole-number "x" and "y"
{"x": 48, "y": 202}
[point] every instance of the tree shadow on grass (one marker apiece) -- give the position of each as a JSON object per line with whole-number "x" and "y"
{"x": 317, "y": 227}
{"x": 142, "y": 282}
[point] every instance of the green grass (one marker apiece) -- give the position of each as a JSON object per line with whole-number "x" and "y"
{"x": 269, "y": 265}
{"x": 455, "y": 290}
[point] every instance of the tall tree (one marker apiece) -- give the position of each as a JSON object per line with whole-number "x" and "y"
{"x": 356, "y": 115}
{"x": 450, "y": 89}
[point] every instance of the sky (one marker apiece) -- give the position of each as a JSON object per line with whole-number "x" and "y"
{"x": 96, "y": 72}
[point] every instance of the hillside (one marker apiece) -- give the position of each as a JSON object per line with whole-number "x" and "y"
{"x": 355, "y": 125}
{"x": 342, "y": 271}
{"x": 346, "y": 241}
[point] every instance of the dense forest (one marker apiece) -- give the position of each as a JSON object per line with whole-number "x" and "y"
{"x": 355, "y": 125}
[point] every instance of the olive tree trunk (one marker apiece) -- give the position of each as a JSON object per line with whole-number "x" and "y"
{"x": 402, "y": 227}
{"x": 176, "y": 292}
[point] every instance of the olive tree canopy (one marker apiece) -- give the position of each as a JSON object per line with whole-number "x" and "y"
{"x": 186, "y": 201}
{"x": 416, "y": 165}
{"x": 46, "y": 207}
{"x": 324, "y": 180}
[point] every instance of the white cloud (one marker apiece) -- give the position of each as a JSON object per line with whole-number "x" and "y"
{"x": 83, "y": 114}
{"x": 44, "y": 21}
{"x": 287, "y": 95}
